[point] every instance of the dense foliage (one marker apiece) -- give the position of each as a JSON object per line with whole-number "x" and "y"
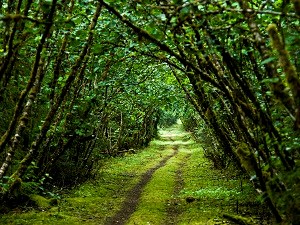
{"x": 72, "y": 93}
{"x": 83, "y": 79}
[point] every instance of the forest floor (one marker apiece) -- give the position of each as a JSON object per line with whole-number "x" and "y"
{"x": 169, "y": 182}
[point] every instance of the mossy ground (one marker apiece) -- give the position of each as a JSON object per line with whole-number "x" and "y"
{"x": 95, "y": 200}
{"x": 153, "y": 203}
{"x": 212, "y": 193}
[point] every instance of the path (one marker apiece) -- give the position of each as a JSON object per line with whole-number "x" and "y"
{"x": 132, "y": 200}
{"x": 168, "y": 183}
{"x": 198, "y": 194}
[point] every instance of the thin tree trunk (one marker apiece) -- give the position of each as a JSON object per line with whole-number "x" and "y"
{"x": 24, "y": 119}
{"x": 51, "y": 114}
{"x": 20, "y": 105}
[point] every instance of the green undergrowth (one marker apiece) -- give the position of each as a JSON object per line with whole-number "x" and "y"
{"x": 93, "y": 201}
{"x": 212, "y": 194}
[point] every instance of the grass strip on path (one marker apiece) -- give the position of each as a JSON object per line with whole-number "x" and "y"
{"x": 173, "y": 208}
{"x": 153, "y": 206}
{"x": 133, "y": 197}
{"x": 156, "y": 203}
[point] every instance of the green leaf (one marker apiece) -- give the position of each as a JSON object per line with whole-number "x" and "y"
{"x": 271, "y": 80}
{"x": 266, "y": 61}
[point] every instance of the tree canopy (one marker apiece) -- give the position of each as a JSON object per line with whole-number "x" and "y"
{"x": 81, "y": 80}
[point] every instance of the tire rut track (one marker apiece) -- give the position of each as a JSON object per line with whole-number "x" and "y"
{"x": 131, "y": 202}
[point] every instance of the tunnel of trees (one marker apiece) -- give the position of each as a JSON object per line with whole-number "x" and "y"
{"x": 82, "y": 80}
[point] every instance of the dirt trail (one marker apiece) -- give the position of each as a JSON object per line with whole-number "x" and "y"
{"x": 132, "y": 199}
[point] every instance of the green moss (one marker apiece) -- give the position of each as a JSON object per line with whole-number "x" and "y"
{"x": 214, "y": 193}
{"x": 37, "y": 217}
{"x": 41, "y": 202}
{"x": 239, "y": 219}
{"x": 156, "y": 195}
{"x": 93, "y": 201}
